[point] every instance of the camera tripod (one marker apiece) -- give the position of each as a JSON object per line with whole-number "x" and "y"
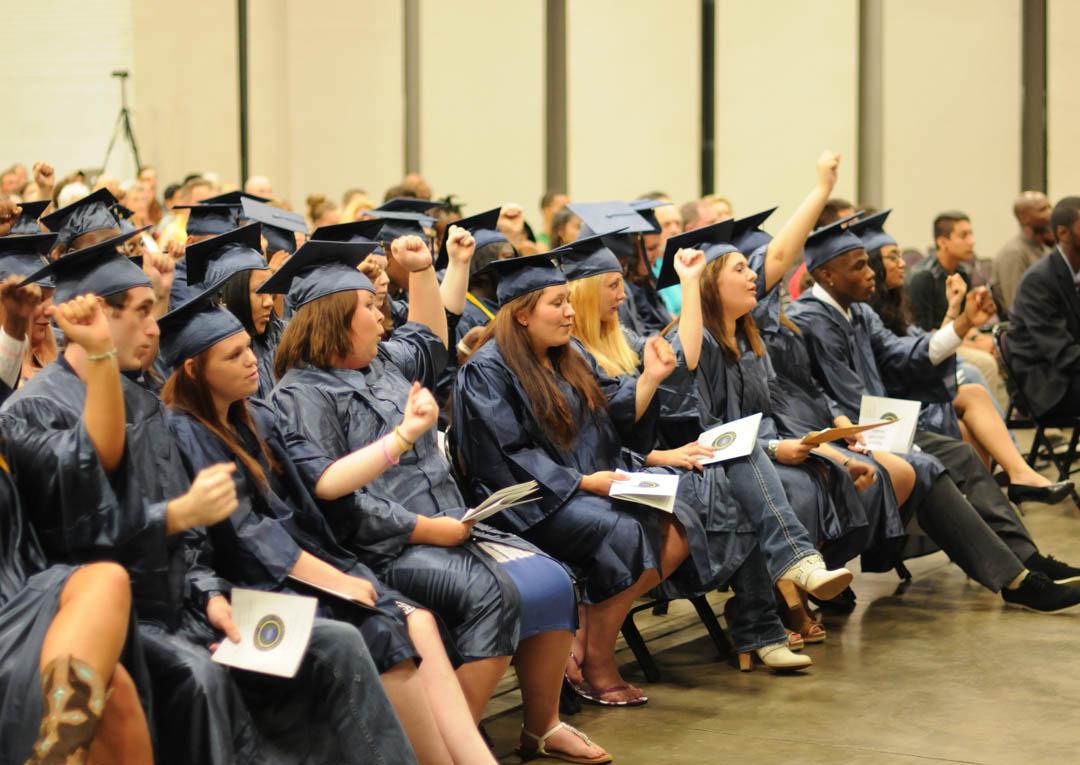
{"x": 123, "y": 125}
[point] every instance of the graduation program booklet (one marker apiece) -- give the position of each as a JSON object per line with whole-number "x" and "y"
{"x": 902, "y": 416}
{"x": 732, "y": 439}
{"x": 274, "y": 632}
{"x": 819, "y": 437}
{"x": 653, "y": 489}
{"x": 518, "y": 494}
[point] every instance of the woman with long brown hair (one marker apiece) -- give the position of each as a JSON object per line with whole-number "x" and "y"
{"x": 341, "y": 388}
{"x": 284, "y": 544}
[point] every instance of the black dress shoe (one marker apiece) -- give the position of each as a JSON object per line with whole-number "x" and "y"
{"x": 844, "y": 603}
{"x": 1037, "y": 593}
{"x": 1056, "y": 571}
{"x": 1049, "y": 495}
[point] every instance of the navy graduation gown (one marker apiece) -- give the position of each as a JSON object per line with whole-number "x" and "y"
{"x": 264, "y": 347}
{"x": 259, "y": 544}
{"x": 324, "y": 415}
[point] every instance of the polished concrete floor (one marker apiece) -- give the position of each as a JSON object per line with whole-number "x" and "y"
{"x": 939, "y": 670}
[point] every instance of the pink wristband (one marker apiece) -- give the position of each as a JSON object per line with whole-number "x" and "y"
{"x": 390, "y": 461}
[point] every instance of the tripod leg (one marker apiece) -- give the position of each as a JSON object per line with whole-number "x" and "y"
{"x": 129, "y": 131}
{"x": 112, "y": 141}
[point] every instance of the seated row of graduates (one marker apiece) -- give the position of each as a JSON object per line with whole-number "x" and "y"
{"x": 340, "y": 480}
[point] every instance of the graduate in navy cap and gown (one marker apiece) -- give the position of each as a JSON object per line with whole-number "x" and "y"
{"x": 69, "y": 656}
{"x": 83, "y": 223}
{"x": 852, "y": 354}
{"x": 279, "y": 541}
{"x": 340, "y": 389}
{"x": 27, "y": 222}
{"x": 158, "y": 536}
{"x": 721, "y": 536}
{"x": 24, "y": 321}
{"x": 644, "y": 311}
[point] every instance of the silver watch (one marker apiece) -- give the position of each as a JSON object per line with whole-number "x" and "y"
{"x": 774, "y": 444}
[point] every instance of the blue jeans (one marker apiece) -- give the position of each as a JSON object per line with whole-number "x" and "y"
{"x": 782, "y": 538}
{"x": 755, "y": 622}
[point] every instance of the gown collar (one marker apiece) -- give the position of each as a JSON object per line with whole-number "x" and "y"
{"x": 821, "y": 294}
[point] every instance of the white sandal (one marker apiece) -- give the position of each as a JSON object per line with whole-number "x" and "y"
{"x": 542, "y": 751}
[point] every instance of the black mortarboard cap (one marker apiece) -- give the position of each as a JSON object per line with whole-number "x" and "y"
{"x": 871, "y": 230}
{"x": 233, "y": 198}
{"x": 410, "y": 204}
{"x": 212, "y": 261}
{"x": 25, "y": 255}
{"x": 279, "y": 227}
{"x": 586, "y": 257}
{"x": 99, "y": 269}
{"x": 646, "y": 209}
{"x": 483, "y": 227}
{"x": 27, "y": 222}
{"x": 521, "y": 275}
{"x": 397, "y": 224}
{"x": 319, "y": 269}
{"x": 714, "y": 239}
{"x": 747, "y": 235}
{"x": 194, "y": 326}
{"x": 211, "y": 220}
{"x": 91, "y": 213}
{"x": 608, "y": 217}
{"x": 829, "y": 242}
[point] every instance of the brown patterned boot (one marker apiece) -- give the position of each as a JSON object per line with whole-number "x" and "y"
{"x": 74, "y": 701}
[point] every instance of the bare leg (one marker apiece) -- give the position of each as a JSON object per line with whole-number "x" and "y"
{"x": 539, "y": 664}
{"x": 449, "y": 708}
{"x": 901, "y": 473}
{"x": 478, "y": 680}
{"x": 96, "y": 600}
{"x": 606, "y": 618}
{"x": 407, "y": 694}
{"x": 986, "y": 427}
{"x": 123, "y": 736}
{"x": 577, "y": 648}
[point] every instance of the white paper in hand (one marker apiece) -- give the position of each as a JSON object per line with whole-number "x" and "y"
{"x": 653, "y": 489}
{"x": 904, "y": 416}
{"x": 730, "y": 440}
{"x": 274, "y": 632}
{"x": 511, "y": 496}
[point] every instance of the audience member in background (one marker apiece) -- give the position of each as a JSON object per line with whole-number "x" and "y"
{"x": 698, "y": 214}
{"x": 194, "y": 190}
{"x": 354, "y": 203}
{"x": 722, "y": 206}
{"x": 415, "y": 183}
{"x": 9, "y": 181}
{"x": 550, "y": 204}
{"x": 565, "y": 227}
{"x": 954, "y": 240}
{"x": 260, "y": 186}
{"x": 322, "y": 211}
{"x": 148, "y": 178}
{"x": 1032, "y": 241}
{"x": 1044, "y": 333}
{"x": 980, "y": 424}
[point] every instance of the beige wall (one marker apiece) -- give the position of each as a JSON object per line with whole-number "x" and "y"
{"x": 269, "y": 101}
{"x": 786, "y": 89}
{"x": 1063, "y": 99}
{"x": 634, "y": 98}
{"x": 188, "y": 112}
{"x": 60, "y": 104}
{"x": 482, "y": 101}
{"x": 952, "y": 116}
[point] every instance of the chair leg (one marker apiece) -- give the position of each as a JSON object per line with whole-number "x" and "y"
{"x": 902, "y": 572}
{"x": 569, "y": 703}
{"x": 661, "y": 608}
{"x": 1065, "y": 466}
{"x": 637, "y": 645}
{"x": 719, "y": 638}
{"x": 1033, "y": 455}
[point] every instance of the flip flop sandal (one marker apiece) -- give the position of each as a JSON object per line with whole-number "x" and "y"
{"x": 597, "y": 697}
{"x": 542, "y": 751}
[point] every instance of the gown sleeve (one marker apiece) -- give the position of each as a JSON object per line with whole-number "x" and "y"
{"x": 311, "y": 429}
{"x": 904, "y": 362}
{"x": 636, "y": 434}
{"x": 258, "y": 550}
{"x": 497, "y": 437}
{"x": 832, "y": 364}
{"x": 417, "y": 352}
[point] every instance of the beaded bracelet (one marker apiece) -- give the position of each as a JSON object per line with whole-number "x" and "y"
{"x": 102, "y": 356}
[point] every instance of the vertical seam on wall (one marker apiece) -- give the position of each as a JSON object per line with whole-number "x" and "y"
{"x": 556, "y": 175}
{"x": 707, "y": 149}
{"x": 870, "y": 130}
{"x": 411, "y": 64}
{"x": 1033, "y": 138}
{"x": 242, "y": 85}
